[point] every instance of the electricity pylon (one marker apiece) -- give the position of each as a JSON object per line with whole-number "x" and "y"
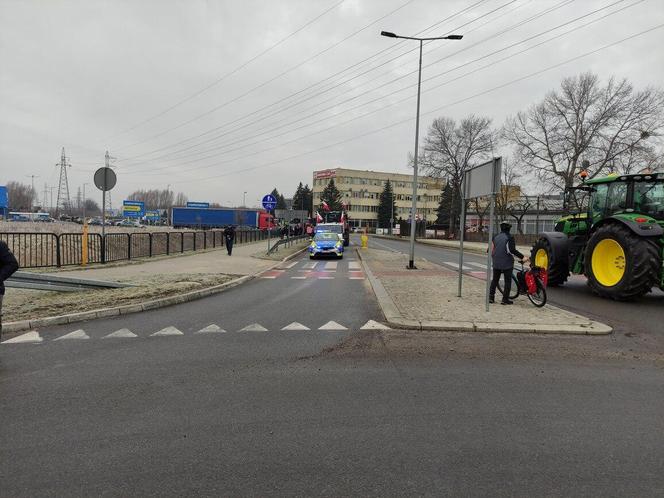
{"x": 63, "y": 187}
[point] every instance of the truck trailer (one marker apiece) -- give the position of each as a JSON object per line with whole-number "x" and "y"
{"x": 187, "y": 217}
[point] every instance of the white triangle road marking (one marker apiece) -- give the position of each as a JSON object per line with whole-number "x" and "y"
{"x": 371, "y": 325}
{"x": 296, "y": 326}
{"x": 213, "y": 328}
{"x": 32, "y": 336}
{"x": 76, "y": 334}
{"x": 119, "y": 334}
{"x": 254, "y": 327}
{"x": 167, "y": 331}
{"x": 332, "y": 326}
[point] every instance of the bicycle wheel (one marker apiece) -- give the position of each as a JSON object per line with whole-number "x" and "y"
{"x": 514, "y": 291}
{"x": 539, "y": 297}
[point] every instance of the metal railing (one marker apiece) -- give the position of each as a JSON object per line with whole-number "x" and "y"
{"x": 46, "y": 249}
{"x": 287, "y": 242}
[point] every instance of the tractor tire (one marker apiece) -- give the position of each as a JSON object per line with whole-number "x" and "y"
{"x": 619, "y": 264}
{"x": 557, "y": 267}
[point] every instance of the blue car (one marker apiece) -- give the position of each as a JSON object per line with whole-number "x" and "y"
{"x": 326, "y": 244}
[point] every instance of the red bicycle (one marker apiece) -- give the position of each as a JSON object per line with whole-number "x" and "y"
{"x": 530, "y": 282}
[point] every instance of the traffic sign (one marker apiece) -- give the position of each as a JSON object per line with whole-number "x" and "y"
{"x": 269, "y": 202}
{"x": 105, "y": 179}
{"x": 200, "y": 205}
{"x": 133, "y": 209}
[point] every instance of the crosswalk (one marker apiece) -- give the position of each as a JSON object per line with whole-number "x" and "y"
{"x": 320, "y": 270}
{"x": 34, "y": 337}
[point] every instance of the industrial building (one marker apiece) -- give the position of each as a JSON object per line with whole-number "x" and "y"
{"x": 361, "y": 191}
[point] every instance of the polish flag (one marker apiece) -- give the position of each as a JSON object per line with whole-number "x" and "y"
{"x": 343, "y": 218}
{"x": 319, "y": 218}
{"x": 326, "y": 207}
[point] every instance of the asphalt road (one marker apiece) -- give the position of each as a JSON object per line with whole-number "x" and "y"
{"x": 315, "y": 412}
{"x": 644, "y": 316}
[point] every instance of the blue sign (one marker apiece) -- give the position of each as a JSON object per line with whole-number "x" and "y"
{"x": 201, "y": 205}
{"x": 269, "y": 202}
{"x": 152, "y": 215}
{"x": 133, "y": 209}
{"x": 4, "y": 200}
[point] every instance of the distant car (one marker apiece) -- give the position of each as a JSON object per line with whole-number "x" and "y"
{"x": 326, "y": 244}
{"x": 129, "y": 223}
{"x": 94, "y": 221}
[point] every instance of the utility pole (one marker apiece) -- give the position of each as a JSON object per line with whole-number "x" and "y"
{"x": 63, "y": 186}
{"x": 45, "y": 201}
{"x": 34, "y": 196}
{"x": 84, "y": 200}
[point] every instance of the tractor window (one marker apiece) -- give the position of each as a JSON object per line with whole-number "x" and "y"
{"x": 649, "y": 199}
{"x": 617, "y": 198}
{"x": 598, "y": 205}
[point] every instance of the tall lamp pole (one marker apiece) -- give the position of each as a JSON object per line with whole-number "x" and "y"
{"x": 411, "y": 260}
{"x": 244, "y": 199}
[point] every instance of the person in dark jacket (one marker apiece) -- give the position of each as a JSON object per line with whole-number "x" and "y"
{"x": 229, "y": 238}
{"x": 503, "y": 252}
{"x": 8, "y": 265}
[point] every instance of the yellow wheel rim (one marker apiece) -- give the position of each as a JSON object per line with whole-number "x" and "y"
{"x": 608, "y": 262}
{"x": 542, "y": 258}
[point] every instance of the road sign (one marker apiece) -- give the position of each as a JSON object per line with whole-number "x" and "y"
{"x": 133, "y": 209}
{"x": 4, "y": 200}
{"x": 105, "y": 179}
{"x": 152, "y": 215}
{"x": 269, "y": 202}
{"x": 200, "y": 205}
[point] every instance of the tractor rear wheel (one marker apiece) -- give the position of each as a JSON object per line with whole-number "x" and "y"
{"x": 619, "y": 264}
{"x": 542, "y": 255}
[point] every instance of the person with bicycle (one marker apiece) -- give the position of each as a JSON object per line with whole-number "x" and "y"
{"x": 502, "y": 254}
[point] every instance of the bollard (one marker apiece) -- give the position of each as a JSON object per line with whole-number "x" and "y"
{"x": 365, "y": 240}
{"x": 84, "y": 244}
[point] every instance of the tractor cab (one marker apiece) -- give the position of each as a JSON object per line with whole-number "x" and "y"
{"x": 615, "y": 237}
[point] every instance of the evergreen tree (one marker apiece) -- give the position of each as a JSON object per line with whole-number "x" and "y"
{"x": 299, "y": 198}
{"x": 308, "y": 199}
{"x": 332, "y": 196}
{"x": 281, "y": 202}
{"x": 386, "y": 206}
{"x": 445, "y": 208}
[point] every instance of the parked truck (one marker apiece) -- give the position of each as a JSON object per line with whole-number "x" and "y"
{"x": 187, "y": 217}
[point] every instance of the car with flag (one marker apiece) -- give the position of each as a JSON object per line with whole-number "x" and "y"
{"x": 336, "y": 221}
{"x": 326, "y": 243}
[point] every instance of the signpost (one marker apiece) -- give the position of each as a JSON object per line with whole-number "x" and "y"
{"x": 133, "y": 209}
{"x": 269, "y": 204}
{"x": 105, "y": 179}
{"x": 480, "y": 181}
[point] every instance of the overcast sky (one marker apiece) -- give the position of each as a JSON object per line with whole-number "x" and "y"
{"x": 175, "y": 90}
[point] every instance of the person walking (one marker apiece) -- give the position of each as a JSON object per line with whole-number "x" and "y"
{"x": 502, "y": 255}
{"x": 8, "y": 265}
{"x": 229, "y": 238}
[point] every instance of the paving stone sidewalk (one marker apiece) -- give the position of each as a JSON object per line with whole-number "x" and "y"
{"x": 426, "y": 299}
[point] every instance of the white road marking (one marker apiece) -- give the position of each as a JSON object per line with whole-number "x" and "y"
{"x": 311, "y": 265}
{"x": 479, "y": 265}
{"x": 291, "y": 265}
{"x": 332, "y": 326}
{"x": 76, "y": 334}
{"x": 268, "y": 277}
{"x": 122, "y": 333}
{"x": 296, "y": 326}
{"x": 254, "y": 327}
{"x": 354, "y": 265}
{"x": 32, "y": 336}
{"x": 167, "y": 331}
{"x": 325, "y": 278}
{"x": 355, "y": 278}
{"x": 298, "y": 278}
{"x": 331, "y": 266}
{"x": 455, "y": 265}
{"x": 371, "y": 325}
{"x": 211, "y": 329}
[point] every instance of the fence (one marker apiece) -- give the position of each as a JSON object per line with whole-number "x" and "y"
{"x": 44, "y": 249}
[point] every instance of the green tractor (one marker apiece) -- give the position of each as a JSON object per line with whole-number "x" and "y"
{"x": 616, "y": 239}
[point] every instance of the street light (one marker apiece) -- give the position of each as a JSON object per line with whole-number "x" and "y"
{"x": 244, "y": 199}
{"x": 411, "y": 261}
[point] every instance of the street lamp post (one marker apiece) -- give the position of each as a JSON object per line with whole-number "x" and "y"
{"x": 244, "y": 199}
{"x": 413, "y": 222}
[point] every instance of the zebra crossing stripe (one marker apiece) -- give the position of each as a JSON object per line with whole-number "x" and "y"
{"x": 354, "y": 265}
{"x": 167, "y": 331}
{"x": 310, "y": 265}
{"x": 120, "y": 334}
{"x": 331, "y": 266}
{"x": 479, "y": 265}
{"x": 291, "y": 265}
{"x": 32, "y": 336}
{"x": 76, "y": 334}
{"x": 213, "y": 328}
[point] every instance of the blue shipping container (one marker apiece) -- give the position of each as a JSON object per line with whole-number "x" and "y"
{"x": 213, "y": 218}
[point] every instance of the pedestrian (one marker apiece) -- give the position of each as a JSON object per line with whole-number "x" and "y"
{"x": 8, "y": 265}
{"x": 502, "y": 254}
{"x": 229, "y": 238}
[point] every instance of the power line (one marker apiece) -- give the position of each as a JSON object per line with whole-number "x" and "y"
{"x": 437, "y": 109}
{"x": 261, "y": 85}
{"x": 281, "y": 126}
{"x": 230, "y": 73}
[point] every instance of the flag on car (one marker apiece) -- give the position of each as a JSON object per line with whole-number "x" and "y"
{"x": 325, "y": 205}
{"x": 343, "y": 217}
{"x": 319, "y": 218}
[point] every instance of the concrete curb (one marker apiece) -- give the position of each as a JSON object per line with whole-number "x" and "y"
{"x": 138, "y": 307}
{"x": 395, "y": 319}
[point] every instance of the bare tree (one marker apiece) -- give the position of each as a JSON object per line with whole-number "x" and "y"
{"x": 480, "y": 206}
{"x": 450, "y": 149}
{"x": 510, "y": 188}
{"x": 155, "y": 198}
{"x": 180, "y": 199}
{"x": 21, "y": 197}
{"x": 518, "y": 208}
{"x": 585, "y": 121}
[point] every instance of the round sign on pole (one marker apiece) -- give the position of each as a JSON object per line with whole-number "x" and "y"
{"x": 105, "y": 179}
{"x": 269, "y": 202}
